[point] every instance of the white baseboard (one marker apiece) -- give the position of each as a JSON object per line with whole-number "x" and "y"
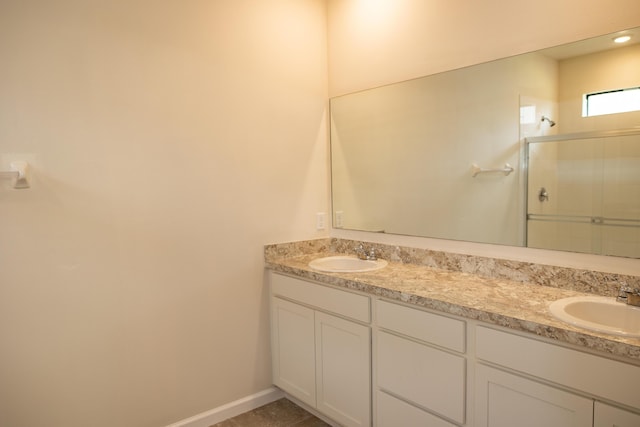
{"x": 232, "y": 409}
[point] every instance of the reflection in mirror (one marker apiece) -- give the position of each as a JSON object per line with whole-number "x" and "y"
{"x": 584, "y": 192}
{"x": 432, "y": 156}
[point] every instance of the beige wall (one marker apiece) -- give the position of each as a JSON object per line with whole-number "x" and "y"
{"x": 373, "y": 43}
{"x": 170, "y": 141}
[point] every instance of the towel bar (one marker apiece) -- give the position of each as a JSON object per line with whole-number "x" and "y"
{"x": 475, "y": 170}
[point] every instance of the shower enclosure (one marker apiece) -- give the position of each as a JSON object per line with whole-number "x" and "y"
{"x": 583, "y": 192}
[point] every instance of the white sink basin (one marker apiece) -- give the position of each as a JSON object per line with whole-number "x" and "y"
{"x": 601, "y": 314}
{"x": 346, "y": 264}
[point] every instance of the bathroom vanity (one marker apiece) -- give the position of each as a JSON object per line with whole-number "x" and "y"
{"x": 321, "y": 348}
{"x": 411, "y": 345}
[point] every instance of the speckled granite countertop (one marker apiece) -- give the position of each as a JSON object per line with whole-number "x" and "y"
{"x": 512, "y": 304}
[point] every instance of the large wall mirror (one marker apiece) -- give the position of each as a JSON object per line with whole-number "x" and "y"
{"x": 511, "y": 152}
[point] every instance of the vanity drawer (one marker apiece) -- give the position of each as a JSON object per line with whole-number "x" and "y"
{"x": 575, "y": 369}
{"x": 428, "y": 327}
{"x": 425, "y": 376}
{"x": 344, "y": 303}
{"x": 392, "y": 412}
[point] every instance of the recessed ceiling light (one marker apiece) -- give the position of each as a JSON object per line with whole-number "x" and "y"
{"x": 622, "y": 39}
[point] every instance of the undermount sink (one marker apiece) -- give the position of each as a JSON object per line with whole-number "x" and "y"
{"x": 597, "y": 313}
{"x": 346, "y": 264}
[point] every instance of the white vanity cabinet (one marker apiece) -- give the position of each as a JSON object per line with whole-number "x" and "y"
{"x": 321, "y": 348}
{"x": 431, "y": 369}
{"x": 420, "y": 367}
{"x": 527, "y": 382}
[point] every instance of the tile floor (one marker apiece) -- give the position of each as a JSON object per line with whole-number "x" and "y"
{"x": 281, "y": 413}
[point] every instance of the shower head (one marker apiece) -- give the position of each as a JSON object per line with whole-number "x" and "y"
{"x": 551, "y": 122}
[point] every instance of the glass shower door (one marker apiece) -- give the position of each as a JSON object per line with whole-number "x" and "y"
{"x": 583, "y": 193}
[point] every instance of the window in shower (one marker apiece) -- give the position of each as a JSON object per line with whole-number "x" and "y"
{"x": 611, "y": 102}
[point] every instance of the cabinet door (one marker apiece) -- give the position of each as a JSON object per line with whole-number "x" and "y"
{"x": 609, "y": 416}
{"x": 293, "y": 349}
{"x": 343, "y": 369}
{"x": 507, "y": 400}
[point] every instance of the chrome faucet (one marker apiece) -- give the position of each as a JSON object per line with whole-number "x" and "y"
{"x": 629, "y": 296}
{"x": 363, "y": 253}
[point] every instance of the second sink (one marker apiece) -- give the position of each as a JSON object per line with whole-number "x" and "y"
{"x": 597, "y": 313}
